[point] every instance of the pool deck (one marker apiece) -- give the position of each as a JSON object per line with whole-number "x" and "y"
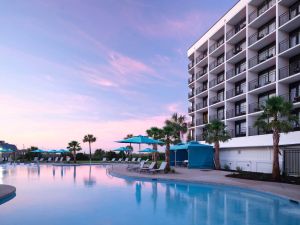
{"x": 289, "y": 191}
{"x": 6, "y": 190}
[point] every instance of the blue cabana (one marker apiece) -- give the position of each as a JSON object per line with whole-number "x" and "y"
{"x": 198, "y": 155}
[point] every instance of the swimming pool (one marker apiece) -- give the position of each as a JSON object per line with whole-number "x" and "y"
{"x": 89, "y": 195}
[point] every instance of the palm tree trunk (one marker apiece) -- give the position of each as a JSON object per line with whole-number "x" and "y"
{"x": 276, "y": 168}
{"x": 74, "y": 156}
{"x": 154, "y": 158}
{"x": 168, "y": 156}
{"x": 217, "y": 155}
{"x": 90, "y": 152}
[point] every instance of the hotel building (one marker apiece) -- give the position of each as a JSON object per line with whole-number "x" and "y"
{"x": 249, "y": 55}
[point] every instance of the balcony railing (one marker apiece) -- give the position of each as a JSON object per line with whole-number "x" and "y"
{"x": 235, "y": 92}
{"x": 287, "y": 16}
{"x": 253, "y": 131}
{"x": 200, "y": 73}
{"x": 216, "y": 63}
{"x": 233, "y": 52}
{"x": 191, "y": 109}
{"x": 191, "y": 94}
{"x": 216, "y": 117}
{"x": 191, "y": 79}
{"x": 201, "y": 105}
{"x": 215, "y": 46}
{"x": 257, "y": 36}
{"x": 216, "y": 81}
{"x": 286, "y": 44}
{"x": 201, "y": 122}
{"x": 216, "y": 99}
{"x": 256, "y": 107}
{"x": 289, "y": 70}
{"x": 260, "y": 82}
{"x": 292, "y": 97}
{"x": 235, "y": 113}
{"x": 234, "y": 31}
{"x": 233, "y": 72}
{"x": 256, "y": 13}
{"x": 201, "y": 89}
{"x": 241, "y": 133}
{"x": 200, "y": 57}
{"x": 191, "y": 64}
{"x": 259, "y": 59}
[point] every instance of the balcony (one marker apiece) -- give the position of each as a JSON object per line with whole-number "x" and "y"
{"x": 191, "y": 124}
{"x": 259, "y": 35}
{"x": 233, "y": 52}
{"x": 292, "y": 97}
{"x": 235, "y": 92}
{"x": 191, "y": 80}
{"x": 200, "y": 57}
{"x": 253, "y": 131}
{"x": 233, "y": 72}
{"x": 259, "y": 59}
{"x": 235, "y": 113}
{"x": 200, "y": 122}
{"x": 257, "y": 13}
{"x": 191, "y": 109}
{"x": 191, "y": 64}
{"x": 240, "y": 133}
{"x": 256, "y": 107}
{"x": 216, "y": 81}
{"x": 289, "y": 70}
{"x": 261, "y": 82}
{"x": 216, "y": 99}
{"x": 201, "y": 89}
{"x": 191, "y": 94}
{"x": 234, "y": 31}
{"x": 286, "y": 44}
{"x": 200, "y": 73}
{"x": 214, "y": 46}
{"x": 215, "y": 64}
{"x": 285, "y": 17}
{"x": 216, "y": 117}
{"x": 201, "y": 105}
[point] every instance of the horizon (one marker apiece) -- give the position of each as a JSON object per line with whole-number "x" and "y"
{"x": 105, "y": 68}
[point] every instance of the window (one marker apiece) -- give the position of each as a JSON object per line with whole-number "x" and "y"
{"x": 240, "y": 128}
{"x": 295, "y": 10}
{"x": 294, "y": 38}
{"x": 205, "y": 69}
{"x": 295, "y": 92}
{"x": 220, "y": 113}
{"x": 220, "y": 95}
{"x": 240, "y": 87}
{"x": 204, "y": 101}
{"x": 220, "y": 77}
{"x": 220, "y": 41}
{"x": 266, "y": 53}
{"x": 240, "y": 66}
{"x": 204, "y": 85}
{"x": 205, "y": 117}
{"x": 266, "y": 28}
{"x": 262, "y": 98}
{"x": 296, "y": 124}
{"x": 220, "y": 59}
{"x": 264, "y": 7}
{"x": 240, "y": 25}
{"x": 267, "y": 76}
{"x": 240, "y": 46}
{"x": 294, "y": 65}
{"x": 240, "y": 108}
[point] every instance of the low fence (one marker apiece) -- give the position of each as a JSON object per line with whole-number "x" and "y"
{"x": 291, "y": 161}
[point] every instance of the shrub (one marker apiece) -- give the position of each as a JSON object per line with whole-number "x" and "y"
{"x": 239, "y": 169}
{"x": 226, "y": 167}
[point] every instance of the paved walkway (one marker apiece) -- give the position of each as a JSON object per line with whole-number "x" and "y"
{"x": 216, "y": 177}
{"x": 6, "y": 190}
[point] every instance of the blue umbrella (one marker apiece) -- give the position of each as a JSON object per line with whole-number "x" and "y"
{"x": 38, "y": 151}
{"x": 5, "y": 150}
{"x": 122, "y": 149}
{"x": 148, "y": 150}
{"x": 62, "y": 151}
{"x": 140, "y": 140}
{"x": 53, "y": 151}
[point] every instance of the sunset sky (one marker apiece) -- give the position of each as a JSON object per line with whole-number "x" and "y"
{"x": 70, "y": 67}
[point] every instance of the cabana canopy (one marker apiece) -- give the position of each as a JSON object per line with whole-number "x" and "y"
{"x": 198, "y": 155}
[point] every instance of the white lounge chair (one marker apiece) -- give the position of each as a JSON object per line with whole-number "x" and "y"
{"x": 120, "y": 160}
{"x": 147, "y": 160}
{"x": 114, "y": 159}
{"x": 68, "y": 158}
{"x": 147, "y": 169}
{"x": 35, "y": 159}
{"x": 132, "y": 160}
{"x": 1, "y": 160}
{"x": 139, "y": 160}
{"x": 49, "y": 159}
{"x": 56, "y": 159}
{"x": 104, "y": 159}
{"x": 162, "y": 168}
{"x": 137, "y": 167}
{"x": 41, "y": 159}
{"x": 61, "y": 159}
{"x": 126, "y": 160}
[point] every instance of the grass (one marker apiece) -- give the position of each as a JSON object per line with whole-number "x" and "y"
{"x": 264, "y": 177}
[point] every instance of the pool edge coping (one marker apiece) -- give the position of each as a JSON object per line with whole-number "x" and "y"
{"x": 7, "y": 191}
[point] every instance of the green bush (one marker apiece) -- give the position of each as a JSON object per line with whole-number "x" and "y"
{"x": 226, "y": 167}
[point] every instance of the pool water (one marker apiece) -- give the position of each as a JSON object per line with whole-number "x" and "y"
{"x": 89, "y": 195}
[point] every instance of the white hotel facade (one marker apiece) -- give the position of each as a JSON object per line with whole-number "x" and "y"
{"x": 249, "y": 55}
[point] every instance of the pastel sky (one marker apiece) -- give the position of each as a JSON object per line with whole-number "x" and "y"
{"x": 71, "y": 67}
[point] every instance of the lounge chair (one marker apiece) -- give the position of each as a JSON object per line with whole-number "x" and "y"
{"x": 151, "y": 167}
{"x": 56, "y": 159}
{"x": 120, "y": 160}
{"x": 41, "y": 159}
{"x": 35, "y": 159}
{"x": 139, "y": 160}
{"x": 1, "y": 160}
{"x": 132, "y": 160}
{"x": 104, "y": 159}
{"x": 147, "y": 160}
{"x": 61, "y": 159}
{"x": 113, "y": 160}
{"x": 49, "y": 160}
{"x": 162, "y": 168}
{"x": 137, "y": 167}
{"x": 68, "y": 158}
{"x": 126, "y": 160}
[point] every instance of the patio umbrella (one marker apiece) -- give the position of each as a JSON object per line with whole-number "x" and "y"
{"x": 38, "y": 151}
{"x": 122, "y": 149}
{"x": 140, "y": 140}
{"x": 2, "y": 150}
{"x": 148, "y": 150}
{"x": 62, "y": 151}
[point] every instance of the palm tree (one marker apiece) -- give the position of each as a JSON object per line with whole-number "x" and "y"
{"x": 157, "y": 134}
{"x": 169, "y": 136}
{"x": 90, "y": 139}
{"x": 129, "y": 146}
{"x": 180, "y": 125}
{"x": 214, "y": 133}
{"x": 74, "y": 146}
{"x": 276, "y": 117}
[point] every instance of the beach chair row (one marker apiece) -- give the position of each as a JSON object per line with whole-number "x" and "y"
{"x": 52, "y": 160}
{"x": 144, "y": 168}
{"x": 121, "y": 160}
